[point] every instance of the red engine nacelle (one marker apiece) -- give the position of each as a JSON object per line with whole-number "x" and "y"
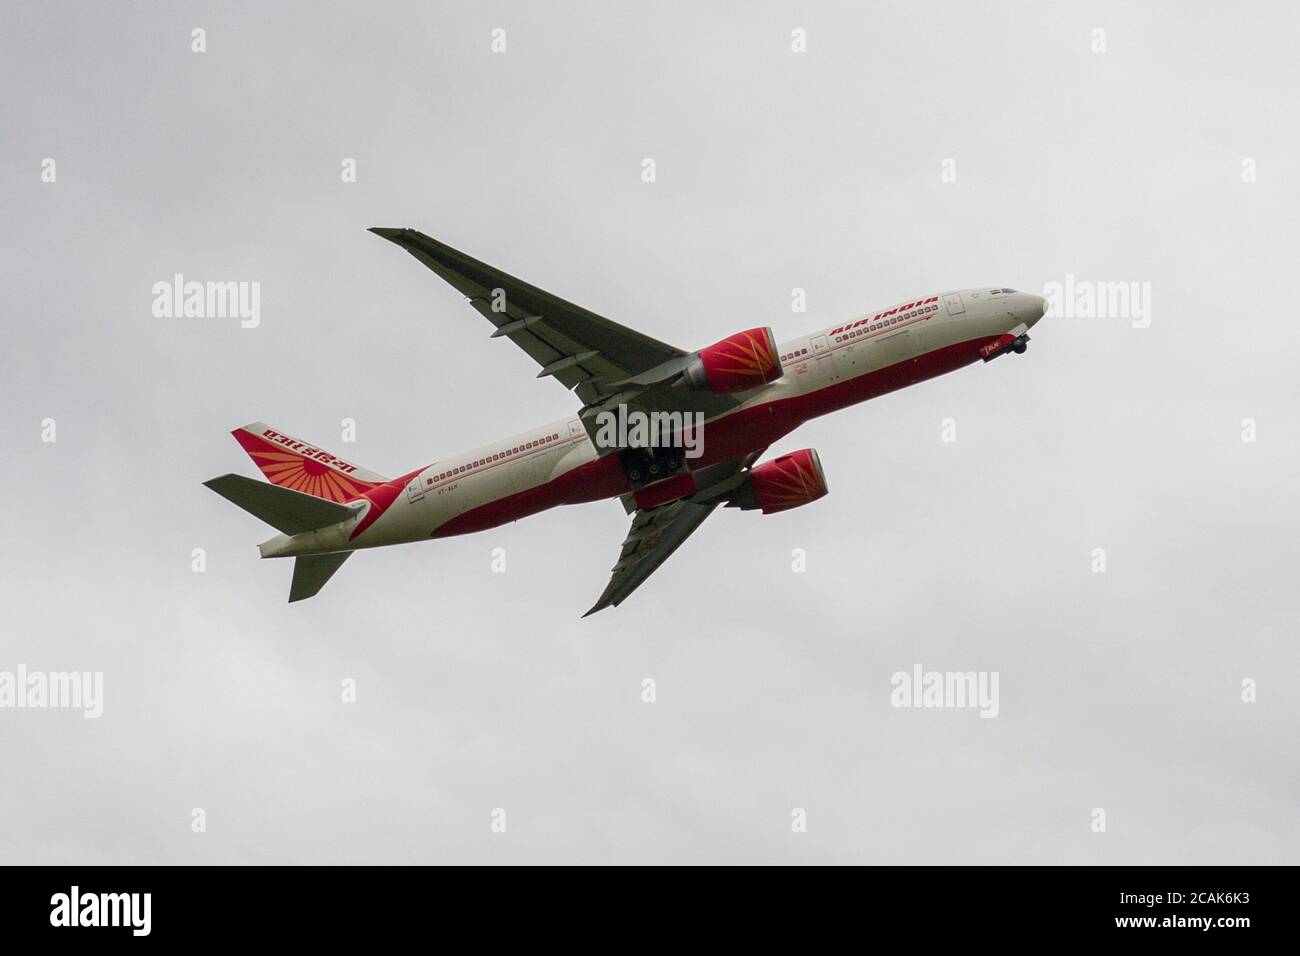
{"x": 784, "y": 483}
{"x": 745, "y": 360}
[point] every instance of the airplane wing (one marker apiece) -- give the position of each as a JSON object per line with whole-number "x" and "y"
{"x": 599, "y": 359}
{"x": 657, "y": 532}
{"x": 654, "y": 536}
{"x": 568, "y": 342}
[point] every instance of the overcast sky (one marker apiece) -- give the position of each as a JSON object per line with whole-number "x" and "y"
{"x": 776, "y": 170}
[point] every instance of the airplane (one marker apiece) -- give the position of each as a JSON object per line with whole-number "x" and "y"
{"x": 745, "y": 392}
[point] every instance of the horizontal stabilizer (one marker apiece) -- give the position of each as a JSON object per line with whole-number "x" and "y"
{"x": 291, "y": 512}
{"x": 311, "y": 571}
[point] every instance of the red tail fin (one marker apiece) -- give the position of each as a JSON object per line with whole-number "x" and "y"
{"x": 301, "y": 466}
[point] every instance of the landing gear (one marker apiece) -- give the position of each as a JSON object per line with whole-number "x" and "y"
{"x": 646, "y": 465}
{"x": 1017, "y": 345}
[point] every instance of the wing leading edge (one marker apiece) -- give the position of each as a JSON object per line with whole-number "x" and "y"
{"x": 578, "y": 348}
{"x": 605, "y": 364}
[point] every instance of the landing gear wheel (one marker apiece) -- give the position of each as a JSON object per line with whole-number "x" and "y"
{"x": 634, "y": 474}
{"x": 654, "y": 468}
{"x": 1019, "y": 348}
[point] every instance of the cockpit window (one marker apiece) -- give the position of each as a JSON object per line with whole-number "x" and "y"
{"x": 1008, "y": 290}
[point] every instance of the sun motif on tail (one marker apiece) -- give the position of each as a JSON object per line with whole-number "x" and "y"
{"x": 298, "y": 466}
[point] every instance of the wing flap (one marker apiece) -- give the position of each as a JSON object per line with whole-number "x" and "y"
{"x": 654, "y": 536}
{"x": 657, "y": 532}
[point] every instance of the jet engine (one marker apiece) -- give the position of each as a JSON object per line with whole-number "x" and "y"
{"x": 742, "y": 361}
{"x": 783, "y": 483}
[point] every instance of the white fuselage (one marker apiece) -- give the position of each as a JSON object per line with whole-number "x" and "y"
{"x": 823, "y": 371}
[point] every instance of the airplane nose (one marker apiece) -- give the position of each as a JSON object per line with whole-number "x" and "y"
{"x": 1035, "y": 308}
